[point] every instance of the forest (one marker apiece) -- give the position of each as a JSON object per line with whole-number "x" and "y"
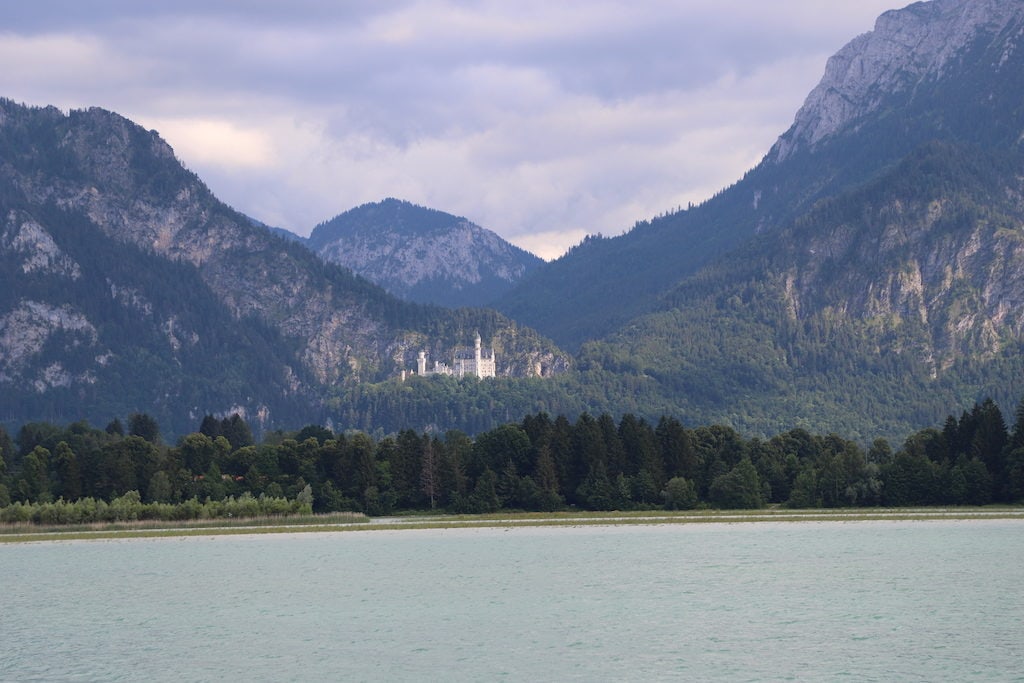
{"x": 54, "y": 473}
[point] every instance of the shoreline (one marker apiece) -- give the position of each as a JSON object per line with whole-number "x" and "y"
{"x": 144, "y": 530}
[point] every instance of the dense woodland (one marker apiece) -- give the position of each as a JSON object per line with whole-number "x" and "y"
{"x": 541, "y": 463}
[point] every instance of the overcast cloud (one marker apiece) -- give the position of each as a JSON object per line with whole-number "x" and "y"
{"x": 541, "y": 120}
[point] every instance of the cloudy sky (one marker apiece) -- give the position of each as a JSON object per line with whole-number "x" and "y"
{"x": 543, "y": 120}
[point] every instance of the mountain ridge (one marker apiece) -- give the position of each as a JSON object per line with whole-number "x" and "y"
{"x": 101, "y": 174}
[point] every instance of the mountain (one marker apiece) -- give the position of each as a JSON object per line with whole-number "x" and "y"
{"x": 869, "y": 316}
{"x": 128, "y": 286}
{"x": 423, "y": 255}
{"x": 866, "y": 275}
{"x": 944, "y": 70}
{"x": 932, "y": 69}
{"x": 94, "y": 328}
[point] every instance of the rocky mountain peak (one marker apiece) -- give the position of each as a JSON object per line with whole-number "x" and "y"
{"x": 422, "y": 254}
{"x": 906, "y": 48}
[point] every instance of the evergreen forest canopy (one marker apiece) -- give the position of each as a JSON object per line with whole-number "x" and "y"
{"x": 78, "y": 473}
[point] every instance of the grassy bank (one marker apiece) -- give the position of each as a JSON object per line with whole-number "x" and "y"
{"x": 339, "y": 522}
{"x": 22, "y": 532}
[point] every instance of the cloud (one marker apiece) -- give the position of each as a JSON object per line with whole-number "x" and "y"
{"x": 210, "y": 142}
{"x": 542, "y": 121}
{"x": 61, "y": 67}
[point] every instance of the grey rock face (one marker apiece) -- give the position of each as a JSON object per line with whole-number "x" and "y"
{"x": 906, "y": 47}
{"x": 24, "y": 332}
{"x": 25, "y": 238}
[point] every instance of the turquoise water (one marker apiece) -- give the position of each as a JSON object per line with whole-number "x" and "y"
{"x": 859, "y": 601}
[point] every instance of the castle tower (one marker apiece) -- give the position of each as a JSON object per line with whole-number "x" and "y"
{"x": 478, "y": 356}
{"x": 421, "y": 363}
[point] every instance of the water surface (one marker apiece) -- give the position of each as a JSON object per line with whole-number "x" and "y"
{"x": 862, "y": 601}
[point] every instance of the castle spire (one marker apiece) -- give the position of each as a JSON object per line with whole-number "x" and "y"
{"x": 477, "y": 355}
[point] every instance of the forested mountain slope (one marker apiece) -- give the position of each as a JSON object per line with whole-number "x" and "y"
{"x": 880, "y": 307}
{"x": 94, "y": 328}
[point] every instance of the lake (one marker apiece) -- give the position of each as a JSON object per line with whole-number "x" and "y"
{"x": 806, "y": 601}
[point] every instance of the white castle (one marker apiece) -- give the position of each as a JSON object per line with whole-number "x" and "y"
{"x": 476, "y": 363}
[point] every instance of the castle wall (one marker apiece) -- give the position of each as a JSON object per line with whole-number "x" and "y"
{"x": 476, "y": 363}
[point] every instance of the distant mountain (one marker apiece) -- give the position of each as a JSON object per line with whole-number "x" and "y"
{"x": 126, "y": 285}
{"x": 280, "y": 232}
{"x": 945, "y": 70}
{"x": 423, "y": 255}
{"x": 287, "y": 234}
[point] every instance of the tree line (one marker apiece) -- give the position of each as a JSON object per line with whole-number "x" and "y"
{"x": 541, "y": 463}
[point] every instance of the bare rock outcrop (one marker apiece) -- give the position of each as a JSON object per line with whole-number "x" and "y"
{"x": 906, "y": 47}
